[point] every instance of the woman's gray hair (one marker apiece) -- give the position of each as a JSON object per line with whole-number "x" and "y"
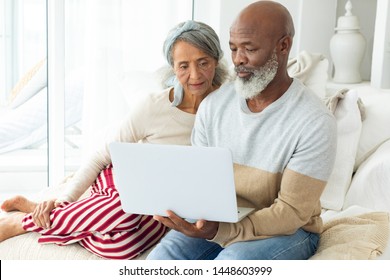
{"x": 201, "y": 36}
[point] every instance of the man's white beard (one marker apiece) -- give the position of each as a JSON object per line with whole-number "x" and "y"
{"x": 250, "y": 88}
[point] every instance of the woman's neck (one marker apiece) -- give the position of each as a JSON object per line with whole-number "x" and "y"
{"x": 190, "y": 103}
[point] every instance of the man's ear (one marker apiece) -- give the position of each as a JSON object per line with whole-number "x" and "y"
{"x": 285, "y": 44}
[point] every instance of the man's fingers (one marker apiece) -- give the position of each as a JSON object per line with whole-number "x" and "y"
{"x": 200, "y": 228}
{"x": 165, "y": 221}
{"x": 200, "y": 224}
{"x": 173, "y": 221}
{"x": 176, "y": 219}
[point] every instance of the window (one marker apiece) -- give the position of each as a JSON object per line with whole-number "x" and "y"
{"x": 23, "y": 92}
{"x": 104, "y": 43}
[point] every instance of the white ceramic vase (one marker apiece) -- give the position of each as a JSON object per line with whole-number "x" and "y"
{"x": 347, "y": 48}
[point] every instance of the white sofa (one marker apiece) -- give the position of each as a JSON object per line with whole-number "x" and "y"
{"x": 360, "y": 182}
{"x": 364, "y": 154}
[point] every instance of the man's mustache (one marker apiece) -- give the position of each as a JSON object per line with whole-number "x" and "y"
{"x": 241, "y": 69}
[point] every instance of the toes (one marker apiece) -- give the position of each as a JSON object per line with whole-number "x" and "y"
{"x": 13, "y": 203}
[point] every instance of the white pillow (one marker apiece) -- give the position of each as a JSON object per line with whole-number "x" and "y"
{"x": 26, "y": 124}
{"x": 349, "y": 127}
{"x": 376, "y": 125}
{"x": 136, "y": 84}
{"x": 311, "y": 69}
{"x": 370, "y": 187}
{"x": 32, "y": 83}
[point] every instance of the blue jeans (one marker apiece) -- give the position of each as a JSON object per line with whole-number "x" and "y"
{"x": 176, "y": 246}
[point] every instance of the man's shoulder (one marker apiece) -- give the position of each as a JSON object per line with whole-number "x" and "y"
{"x": 310, "y": 101}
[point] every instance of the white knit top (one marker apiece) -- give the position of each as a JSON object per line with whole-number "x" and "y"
{"x": 152, "y": 120}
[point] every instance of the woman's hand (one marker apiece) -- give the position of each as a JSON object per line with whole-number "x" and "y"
{"x": 200, "y": 229}
{"x": 41, "y": 214}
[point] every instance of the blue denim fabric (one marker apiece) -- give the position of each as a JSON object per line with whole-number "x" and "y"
{"x": 176, "y": 246}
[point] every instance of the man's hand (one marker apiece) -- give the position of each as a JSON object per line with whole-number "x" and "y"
{"x": 200, "y": 229}
{"x": 41, "y": 214}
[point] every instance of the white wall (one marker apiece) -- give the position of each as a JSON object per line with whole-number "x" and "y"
{"x": 314, "y": 21}
{"x": 311, "y": 17}
{"x": 380, "y": 73}
{"x": 220, "y": 14}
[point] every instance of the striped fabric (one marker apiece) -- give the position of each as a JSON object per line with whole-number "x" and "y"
{"x": 99, "y": 224}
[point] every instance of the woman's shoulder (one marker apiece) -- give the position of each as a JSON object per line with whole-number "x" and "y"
{"x": 153, "y": 99}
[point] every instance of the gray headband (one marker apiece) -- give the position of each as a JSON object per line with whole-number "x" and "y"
{"x": 174, "y": 34}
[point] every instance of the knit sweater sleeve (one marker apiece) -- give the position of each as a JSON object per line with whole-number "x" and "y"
{"x": 283, "y": 158}
{"x": 132, "y": 129}
{"x": 298, "y": 200}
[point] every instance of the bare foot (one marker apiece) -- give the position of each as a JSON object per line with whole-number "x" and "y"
{"x": 11, "y": 225}
{"x": 18, "y": 203}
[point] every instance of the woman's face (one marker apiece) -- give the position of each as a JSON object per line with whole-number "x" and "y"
{"x": 194, "y": 69}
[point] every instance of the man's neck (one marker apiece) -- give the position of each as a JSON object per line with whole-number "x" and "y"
{"x": 269, "y": 95}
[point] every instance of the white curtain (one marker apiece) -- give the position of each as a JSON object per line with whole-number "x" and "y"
{"x": 112, "y": 39}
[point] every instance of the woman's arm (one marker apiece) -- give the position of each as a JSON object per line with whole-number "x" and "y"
{"x": 132, "y": 129}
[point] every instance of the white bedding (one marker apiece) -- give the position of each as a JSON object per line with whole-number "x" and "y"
{"x": 26, "y": 124}
{"x": 371, "y": 183}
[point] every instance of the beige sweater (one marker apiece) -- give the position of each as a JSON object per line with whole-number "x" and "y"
{"x": 283, "y": 158}
{"x": 152, "y": 120}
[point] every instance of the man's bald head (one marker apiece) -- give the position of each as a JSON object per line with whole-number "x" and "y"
{"x": 267, "y": 18}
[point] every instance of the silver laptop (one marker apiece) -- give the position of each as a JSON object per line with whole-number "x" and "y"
{"x": 194, "y": 182}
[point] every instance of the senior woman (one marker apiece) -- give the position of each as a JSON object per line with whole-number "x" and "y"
{"x": 98, "y": 223}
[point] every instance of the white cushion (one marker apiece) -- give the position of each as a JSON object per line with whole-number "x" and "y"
{"x": 371, "y": 183}
{"x": 376, "y": 125}
{"x": 349, "y": 126}
{"x": 33, "y": 82}
{"x": 26, "y": 124}
{"x": 26, "y": 247}
{"x": 311, "y": 69}
{"x": 136, "y": 84}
